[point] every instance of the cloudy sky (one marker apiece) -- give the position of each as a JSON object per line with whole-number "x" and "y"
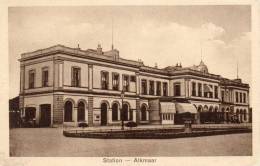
{"x": 156, "y": 34}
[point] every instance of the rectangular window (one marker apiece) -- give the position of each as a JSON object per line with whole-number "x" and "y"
{"x": 237, "y": 97}
{"x": 45, "y": 76}
{"x": 199, "y": 90}
{"x": 177, "y": 89}
{"x": 151, "y": 87}
{"x": 133, "y": 78}
{"x": 165, "y": 89}
{"x": 158, "y": 88}
{"x": 240, "y": 97}
{"x": 216, "y": 91}
{"x": 222, "y": 95}
{"x": 244, "y": 98}
{"x": 31, "y": 79}
{"x": 75, "y": 77}
{"x": 115, "y": 81}
{"x": 211, "y": 91}
{"x": 144, "y": 87}
{"x": 104, "y": 80}
{"x": 205, "y": 90}
{"x": 126, "y": 83}
{"x": 193, "y": 93}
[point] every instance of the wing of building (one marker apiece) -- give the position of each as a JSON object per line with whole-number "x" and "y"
{"x": 61, "y": 85}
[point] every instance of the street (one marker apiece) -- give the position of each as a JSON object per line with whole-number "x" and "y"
{"x": 49, "y": 142}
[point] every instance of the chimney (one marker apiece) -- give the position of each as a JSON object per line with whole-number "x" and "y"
{"x": 99, "y": 49}
{"x": 156, "y": 66}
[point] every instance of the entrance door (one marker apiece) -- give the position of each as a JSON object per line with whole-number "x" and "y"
{"x": 103, "y": 114}
{"x": 45, "y": 115}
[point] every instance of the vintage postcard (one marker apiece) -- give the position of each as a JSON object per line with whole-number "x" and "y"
{"x": 130, "y": 84}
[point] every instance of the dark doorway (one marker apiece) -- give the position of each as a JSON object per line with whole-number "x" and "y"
{"x": 68, "y": 112}
{"x": 143, "y": 113}
{"x": 180, "y": 118}
{"x": 30, "y": 113}
{"x": 30, "y": 117}
{"x": 115, "y": 112}
{"x": 81, "y": 111}
{"x": 45, "y": 115}
{"x": 103, "y": 114}
{"x": 125, "y": 112}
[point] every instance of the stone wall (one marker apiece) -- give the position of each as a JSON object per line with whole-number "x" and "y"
{"x": 58, "y": 109}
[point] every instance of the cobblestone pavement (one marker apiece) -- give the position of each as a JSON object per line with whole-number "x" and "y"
{"x": 50, "y": 142}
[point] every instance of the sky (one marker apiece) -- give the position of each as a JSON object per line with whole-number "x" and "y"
{"x": 166, "y": 35}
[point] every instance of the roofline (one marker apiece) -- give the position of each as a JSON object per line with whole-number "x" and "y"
{"x": 132, "y": 63}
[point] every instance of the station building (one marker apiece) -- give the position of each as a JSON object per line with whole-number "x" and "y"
{"x": 65, "y": 86}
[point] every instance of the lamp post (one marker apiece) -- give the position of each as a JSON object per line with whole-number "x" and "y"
{"x": 121, "y": 113}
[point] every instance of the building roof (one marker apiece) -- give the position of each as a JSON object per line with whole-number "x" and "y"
{"x": 200, "y": 70}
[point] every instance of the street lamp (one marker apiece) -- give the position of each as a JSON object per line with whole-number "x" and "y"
{"x": 122, "y": 117}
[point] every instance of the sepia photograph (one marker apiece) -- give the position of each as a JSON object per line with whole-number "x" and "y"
{"x": 130, "y": 84}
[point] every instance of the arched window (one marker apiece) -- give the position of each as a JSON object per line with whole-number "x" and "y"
{"x": 125, "y": 111}
{"x": 131, "y": 115}
{"x": 237, "y": 113}
{"x": 104, "y": 109}
{"x": 143, "y": 113}
{"x": 81, "y": 111}
{"x": 245, "y": 115}
{"x": 227, "y": 109}
{"x": 205, "y": 108}
{"x": 223, "y": 109}
{"x": 30, "y": 113}
{"x": 68, "y": 111}
{"x": 241, "y": 115}
{"x": 199, "y": 108}
{"x": 115, "y": 112}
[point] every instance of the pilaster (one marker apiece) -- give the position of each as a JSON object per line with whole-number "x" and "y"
{"x": 90, "y": 110}
{"x": 138, "y": 111}
{"x": 90, "y": 77}
{"x": 58, "y": 107}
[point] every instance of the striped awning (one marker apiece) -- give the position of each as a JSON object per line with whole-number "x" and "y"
{"x": 167, "y": 107}
{"x": 185, "y": 107}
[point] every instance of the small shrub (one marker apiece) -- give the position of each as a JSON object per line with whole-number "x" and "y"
{"x": 83, "y": 124}
{"x": 131, "y": 124}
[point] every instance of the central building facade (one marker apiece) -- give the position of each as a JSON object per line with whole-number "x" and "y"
{"x": 61, "y": 85}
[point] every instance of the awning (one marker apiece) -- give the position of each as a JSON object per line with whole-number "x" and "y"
{"x": 207, "y": 88}
{"x": 185, "y": 107}
{"x": 167, "y": 107}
